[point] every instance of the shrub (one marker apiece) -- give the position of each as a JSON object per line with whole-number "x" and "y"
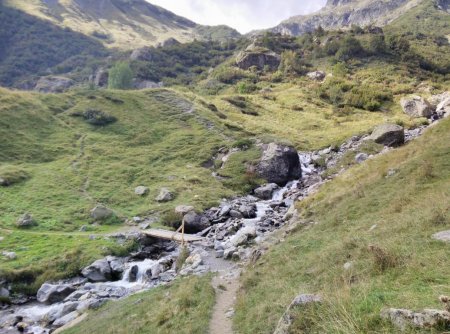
{"x": 246, "y": 87}
{"x": 96, "y": 117}
{"x": 291, "y": 63}
{"x": 120, "y": 76}
{"x": 349, "y": 48}
{"x": 383, "y": 259}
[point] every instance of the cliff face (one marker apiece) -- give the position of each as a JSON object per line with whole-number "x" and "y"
{"x": 343, "y": 13}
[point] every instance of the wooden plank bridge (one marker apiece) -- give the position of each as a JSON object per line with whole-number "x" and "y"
{"x": 170, "y": 235}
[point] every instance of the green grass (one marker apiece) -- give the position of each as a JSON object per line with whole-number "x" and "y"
{"x": 182, "y": 307}
{"x": 397, "y": 264}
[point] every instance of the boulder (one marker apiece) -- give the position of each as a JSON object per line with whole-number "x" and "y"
{"x": 165, "y": 195}
{"x": 101, "y": 212}
{"x": 183, "y": 209}
{"x": 316, "y": 75}
{"x": 361, "y": 157}
{"x": 101, "y": 77}
{"x": 248, "y": 211}
{"x": 66, "y": 319}
{"x": 258, "y": 58}
{"x": 442, "y": 236}
{"x": 54, "y": 293}
{"x": 142, "y": 54}
{"x": 133, "y": 273}
{"x": 116, "y": 264}
{"x": 146, "y": 84}
{"x": 25, "y": 221}
{"x": 242, "y": 236}
{"x": 141, "y": 190}
{"x": 416, "y": 106}
{"x": 4, "y": 293}
{"x": 279, "y": 164}
{"x": 428, "y": 318}
{"x": 53, "y": 84}
{"x": 388, "y": 135}
{"x": 99, "y": 271}
{"x": 60, "y": 310}
{"x": 265, "y": 192}
{"x": 194, "y": 223}
{"x": 10, "y": 255}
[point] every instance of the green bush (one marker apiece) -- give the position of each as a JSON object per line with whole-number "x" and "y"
{"x": 120, "y": 76}
{"x": 246, "y": 87}
{"x": 350, "y": 47}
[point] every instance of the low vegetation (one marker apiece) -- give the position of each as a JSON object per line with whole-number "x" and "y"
{"x": 379, "y": 217}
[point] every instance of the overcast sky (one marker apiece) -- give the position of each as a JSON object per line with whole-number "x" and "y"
{"x": 243, "y": 15}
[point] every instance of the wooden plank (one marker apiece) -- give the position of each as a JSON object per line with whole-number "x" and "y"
{"x": 169, "y": 235}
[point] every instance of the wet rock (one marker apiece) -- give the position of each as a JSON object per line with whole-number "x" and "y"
{"x": 442, "y": 236}
{"x": 265, "y": 192}
{"x": 116, "y": 264}
{"x": 53, "y": 293}
{"x": 428, "y": 318}
{"x": 133, "y": 273}
{"x": 141, "y": 190}
{"x": 416, "y": 106}
{"x": 248, "y": 211}
{"x": 165, "y": 195}
{"x": 60, "y": 310}
{"x": 66, "y": 319}
{"x": 316, "y": 75}
{"x": 279, "y": 164}
{"x": 388, "y": 135}
{"x": 236, "y": 214}
{"x": 242, "y": 236}
{"x": 101, "y": 212}
{"x": 99, "y": 271}
{"x": 25, "y": 221}
{"x": 194, "y": 222}
{"x": 225, "y": 210}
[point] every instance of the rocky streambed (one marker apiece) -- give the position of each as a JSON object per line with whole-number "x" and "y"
{"x": 232, "y": 232}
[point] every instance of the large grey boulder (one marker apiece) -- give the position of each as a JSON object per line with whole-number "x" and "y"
{"x": 165, "y": 195}
{"x": 242, "y": 236}
{"x": 53, "y": 293}
{"x": 25, "y": 221}
{"x": 259, "y": 58}
{"x": 279, "y": 164}
{"x": 416, "y": 106}
{"x": 53, "y": 84}
{"x": 101, "y": 212}
{"x": 428, "y": 318}
{"x": 99, "y": 271}
{"x": 247, "y": 211}
{"x": 316, "y": 75}
{"x": 194, "y": 222}
{"x": 141, "y": 190}
{"x": 265, "y": 192}
{"x": 388, "y": 135}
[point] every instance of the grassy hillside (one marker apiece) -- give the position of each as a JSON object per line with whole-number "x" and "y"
{"x": 382, "y": 225}
{"x": 182, "y": 307}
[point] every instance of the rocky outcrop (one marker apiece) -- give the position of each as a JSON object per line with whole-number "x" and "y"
{"x": 99, "y": 271}
{"x": 389, "y": 135}
{"x": 194, "y": 222}
{"x": 343, "y": 13}
{"x": 279, "y": 164}
{"x": 50, "y": 293}
{"x": 416, "y": 106}
{"x": 428, "y": 318}
{"x": 53, "y": 84}
{"x": 259, "y": 58}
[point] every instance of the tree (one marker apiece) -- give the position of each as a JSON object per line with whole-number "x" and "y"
{"x": 377, "y": 44}
{"x": 350, "y": 47}
{"x": 120, "y": 76}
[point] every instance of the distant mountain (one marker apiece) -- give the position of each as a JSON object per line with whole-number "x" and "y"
{"x": 126, "y": 24}
{"x": 343, "y": 13}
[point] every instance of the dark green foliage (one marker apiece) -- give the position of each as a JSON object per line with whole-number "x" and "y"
{"x": 30, "y": 46}
{"x": 292, "y": 63}
{"x": 350, "y": 47}
{"x": 120, "y": 76}
{"x": 96, "y": 117}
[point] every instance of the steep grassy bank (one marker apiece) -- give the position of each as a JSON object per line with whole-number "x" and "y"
{"x": 382, "y": 223}
{"x": 182, "y": 307}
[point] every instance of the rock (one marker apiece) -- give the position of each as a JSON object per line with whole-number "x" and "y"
{"x": 156, "y": 270}
{"x": 146, "y": 84}
{"x": 183, "y": 209}
{"x": 403, "y": 318}
{"x": 165, "y": 195}
{"x": 133, "y": 273}
{"x": 361, "y": 157}
{"x": 83, "y": 228}
{"x": 225, "y": 210}
{"x": 53, "y": 84}
{"x": 66, "y": 319}
{"x": 242, "y": 236}
{"x": 141, "y": 190}
{"x": 4, "y": 293}
{"x": 25, "y": 221}
{"x": 50, "y": 293}
{"x": 348, "y": 265}
{"x": 116, "y": 264}
{"x": 194, "y": 260}
{"x": 279, "y": 164}
{"x": 60, "y": 310}
{"x": 305, "y": 299}
{"x": 99, "y": 271}
{"x": 101, "y": 77}
{"x": 265, "y": 192}
{"x": 388, "y": 135}
{"x": 441, "y": 102}
{"x": 316, "y": 75}
{"x": 416, "y": 106}
{"x": 10, "y": 255}
{"x": 258, "y": 58}
{"x": 236, "y": 214}
{"x": 442, "y": 236}
{"x": 248, "y": 211}
{"x": 194, "y": 223}
{"x": 228, "y": 253}
{"x": 101, "y": 212}
{"x": 142, "y": 54}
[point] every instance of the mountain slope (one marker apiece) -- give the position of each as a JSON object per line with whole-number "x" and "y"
{"x": 125, "y": 24}
{"x": 343, "y": 13}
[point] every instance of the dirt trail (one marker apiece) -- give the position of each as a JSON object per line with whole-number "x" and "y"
{"x": 226, "y": 287}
